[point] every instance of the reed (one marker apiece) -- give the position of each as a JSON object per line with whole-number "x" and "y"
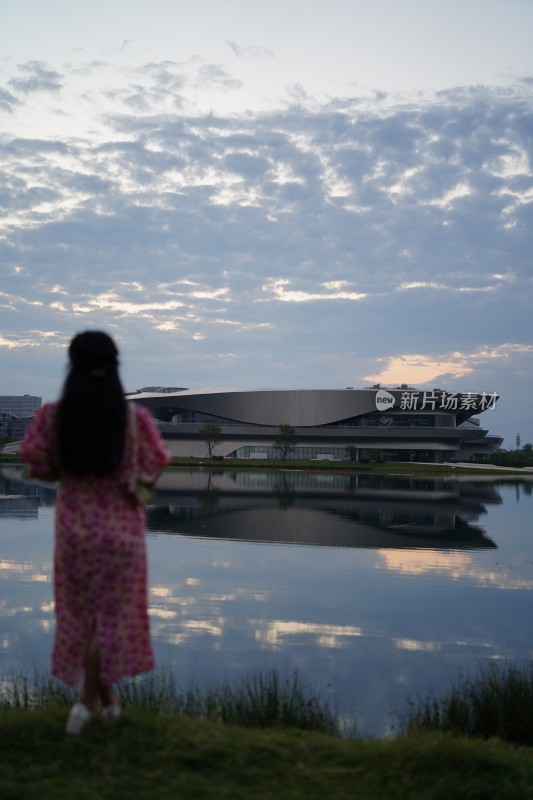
{"x": 18, "y": 690}
{"x": 497, "y": 701}
{"x": 263, "y": 700}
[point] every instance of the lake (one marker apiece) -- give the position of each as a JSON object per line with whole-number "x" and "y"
{"x": 374, "y": 588}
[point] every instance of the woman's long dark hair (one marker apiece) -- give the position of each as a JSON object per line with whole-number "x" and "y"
{"x": 91, "y": 414}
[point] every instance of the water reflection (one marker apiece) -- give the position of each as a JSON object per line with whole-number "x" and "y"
{"x": 369, "y": 511}
{"x": 397, "y": 584}
{"x": 22, "y": 497}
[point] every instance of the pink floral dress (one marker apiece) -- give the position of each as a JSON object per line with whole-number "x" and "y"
{"x": 100, "y": 580}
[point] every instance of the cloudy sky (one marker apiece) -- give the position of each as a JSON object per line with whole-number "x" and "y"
{"x": 292, "y": 193}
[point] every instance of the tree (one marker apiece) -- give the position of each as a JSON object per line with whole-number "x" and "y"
{"x": 285, "y": 441}
{"x": 375, "y": 454}
{"x": 352, "y": 452}
{"x": 518, "y": 441}
{"x": 211, "y": 434}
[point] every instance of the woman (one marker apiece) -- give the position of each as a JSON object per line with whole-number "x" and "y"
{"x": 97, "y": 446}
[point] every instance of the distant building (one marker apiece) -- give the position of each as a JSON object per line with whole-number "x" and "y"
{"x": 394, "y": 424}
{"x": 13, "y": 426}
{"x": 21, "y": 405}
{"x": 16, "y": 413}
{"x": 158, "y": 390}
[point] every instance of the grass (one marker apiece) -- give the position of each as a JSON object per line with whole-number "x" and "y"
{"x": 353, "y": 467}
{"x": 174, "y": 744}
{"x": 170, "y": 756}
{"x": 497, "y": 701}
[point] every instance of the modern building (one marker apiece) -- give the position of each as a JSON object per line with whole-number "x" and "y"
{"x": 16, "y": 413}
{"x": 21, "y": 405}
{"x": 393, "y": 424}
{"x": 13, "y": 426}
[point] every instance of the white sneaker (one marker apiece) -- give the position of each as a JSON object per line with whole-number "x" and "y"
{"x": 110, "y": 714}
{"x": 78, "y": 718}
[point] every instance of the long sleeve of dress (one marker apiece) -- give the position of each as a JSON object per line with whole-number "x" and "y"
{"x": 153, "y": 455}
{"x": 37, "y": 448}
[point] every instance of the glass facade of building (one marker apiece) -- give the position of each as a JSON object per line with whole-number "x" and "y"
{"x": 343, "y": 454}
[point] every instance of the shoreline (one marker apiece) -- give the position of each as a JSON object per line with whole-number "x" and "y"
{"x": 383, "y": 468}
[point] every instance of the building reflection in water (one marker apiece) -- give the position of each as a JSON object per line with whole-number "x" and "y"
{"x": 368, "y": 511}
{"x": 22, "y": 497}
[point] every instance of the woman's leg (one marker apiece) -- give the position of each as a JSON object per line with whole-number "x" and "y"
{"x": 107, "y": 696}
{"x": 91, "y": 686}
{"x": 81, "y": 713}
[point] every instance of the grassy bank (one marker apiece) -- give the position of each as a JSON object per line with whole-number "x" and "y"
{"x": 174, "y": 744}
{"x": 349, "y": 467}
{"x": 169, "y": 756}
{"x": 267, "y": 737}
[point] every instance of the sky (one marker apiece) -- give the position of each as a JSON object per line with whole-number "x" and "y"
{"x": 248, "y": 194}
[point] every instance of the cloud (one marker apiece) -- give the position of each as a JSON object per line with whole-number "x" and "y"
{"x": 334, "y": 291}
{"x": 497, "y": 281}
{"x": 8, "y": 101}
{"x": 156, "y": 305}
{"x": 36, "y": 77}
{"x": 419, "y": 369}
{"x": 252, "y": 51}
{"x": 213, "y": 76}
{"x": 32, "y": 339}
{"x": 13, "y": 302}
{"x": 424, "y": 369}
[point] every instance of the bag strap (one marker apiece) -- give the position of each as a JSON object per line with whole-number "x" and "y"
{"x": 133, "y": 467}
